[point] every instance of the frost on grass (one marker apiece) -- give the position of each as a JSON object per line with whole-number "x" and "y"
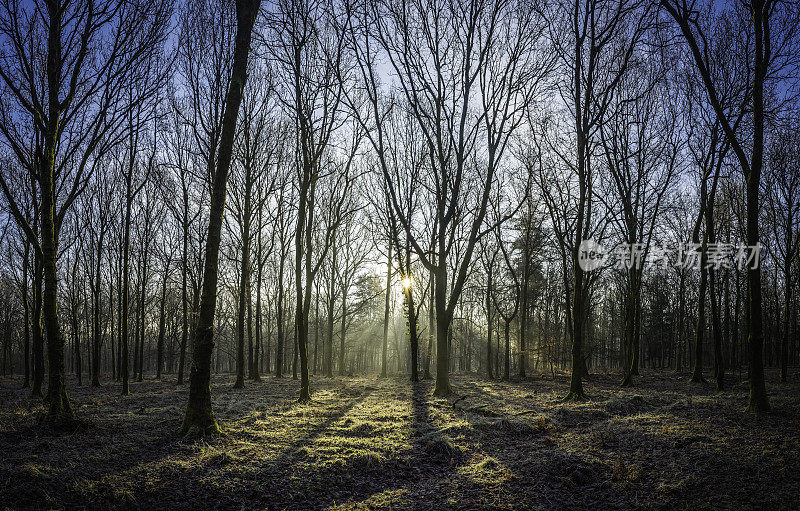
{"x": 365, "y": 443}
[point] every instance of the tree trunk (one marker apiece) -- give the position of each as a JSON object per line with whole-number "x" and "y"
{"x": 523, "y": 318}
{"x": 489, "y": 372}
{"x": 630, "y": 347}
{"x": 243, "y": 296}
{"x": 758, "y": 401}
{"x": 60, "y": 411}
{"x": 259, "y": 280}
{"x": 507, "y": 335}
{"x": 697, "y": 372}
{"x": 716, "y": 328}
{"x": 343, "y": 330}
{"x": 162, "y": 323}
{"x": 142, "y": 304}
{"x": 431, "y": 333}
{"x": 412, "y": 333}
{"x": 716, "y": 325}
{"x": 787, "y": 313}
{"x": 26, "y": 315}
{"x": 199, "y": 418}
{"x": 316, "y": 334}
{"x": 680, "y": 333}
{"x": 385, "y": 345}
{"x": 97, "y": 311}
{"x": 184, "y": 293}
{"x": 443, "y": 319}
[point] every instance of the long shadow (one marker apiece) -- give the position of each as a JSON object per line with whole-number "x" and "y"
{"x": 291, "y": 479}
{"x": 544, "y": 472}
{"x": 278, "y": 482}
{"x": 51, "y": 463}
{"x": 62, "y": 466}
{"x": 424, "y": 464}
{"x": 323, "y": 426}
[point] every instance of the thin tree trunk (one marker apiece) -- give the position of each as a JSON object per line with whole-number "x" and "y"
{"x": 26, "y": 315}
{"x": 489, "y": 372}
{"x": 316, "y": 334}
{"x": 507, "y": 336}
{"x": 343, "y": 330}
{"x": 259, "y": 280}
{"x": 184, "y": 294}
{"x": 787, "y": 312}
{"x": 124, "y": 281}
{"x": 143, "y": 303}
{"x": 412, "y": 332}
{"x": 385, "y": 344}
{"x": 431, "y": 333}
{"x": 97, "y": 311}
{"x": 243, "y": 296}
{"x": 162, "y": 322}
{"x": 280, "y": 324}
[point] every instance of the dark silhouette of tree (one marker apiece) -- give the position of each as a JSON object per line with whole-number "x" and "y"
{"x": 199, "y": 418}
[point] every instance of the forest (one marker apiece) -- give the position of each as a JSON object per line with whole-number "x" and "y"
{"x": 399, "y": 254}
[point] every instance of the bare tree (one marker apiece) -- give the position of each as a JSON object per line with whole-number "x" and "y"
{"x": 466, "y": 73}
{"x": 252, "y": 183}
{"x": 771, "y": 56}
{"x": 641, "y": 147}
{"x": 307, "y": 48}
{"x": 595, "y": 41}
{"x": 783, "y": 211}
{"x": 199, "y": 418}
{"x": 69, "y": 101}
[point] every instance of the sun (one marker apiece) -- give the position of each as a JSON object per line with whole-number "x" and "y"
{"x": 406, "y": 283}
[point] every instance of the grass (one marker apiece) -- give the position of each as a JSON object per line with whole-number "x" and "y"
{"x": 368, "y": 443}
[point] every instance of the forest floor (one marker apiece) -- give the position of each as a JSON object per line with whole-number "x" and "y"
{"x": 366, "y": 443}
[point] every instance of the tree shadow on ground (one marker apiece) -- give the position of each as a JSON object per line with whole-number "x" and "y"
{"x": 366, "y": 444}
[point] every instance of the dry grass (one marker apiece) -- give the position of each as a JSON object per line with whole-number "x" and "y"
{"x": 365, "y": 443}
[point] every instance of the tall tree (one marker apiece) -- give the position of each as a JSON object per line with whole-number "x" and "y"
{"x": 93, "y": 51}
{"x": 783, "y": 211}
{"x": 199, "y": 418}
{"x": 478, "y": 59}
{"x": 595, "y": 42}
{"x": 307, "y": 47}
{"x": 252, "y": 184}
{"x": 772, "y": 55}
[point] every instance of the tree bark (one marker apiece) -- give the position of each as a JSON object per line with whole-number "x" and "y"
{"x": 244, "y": 285}
{"x": 60, "y": 410}
{"x": 199, "y": 418}
{"x": 385, "y": 344}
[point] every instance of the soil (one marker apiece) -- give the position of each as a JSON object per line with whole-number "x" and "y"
{"x": 368, "y": 443}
